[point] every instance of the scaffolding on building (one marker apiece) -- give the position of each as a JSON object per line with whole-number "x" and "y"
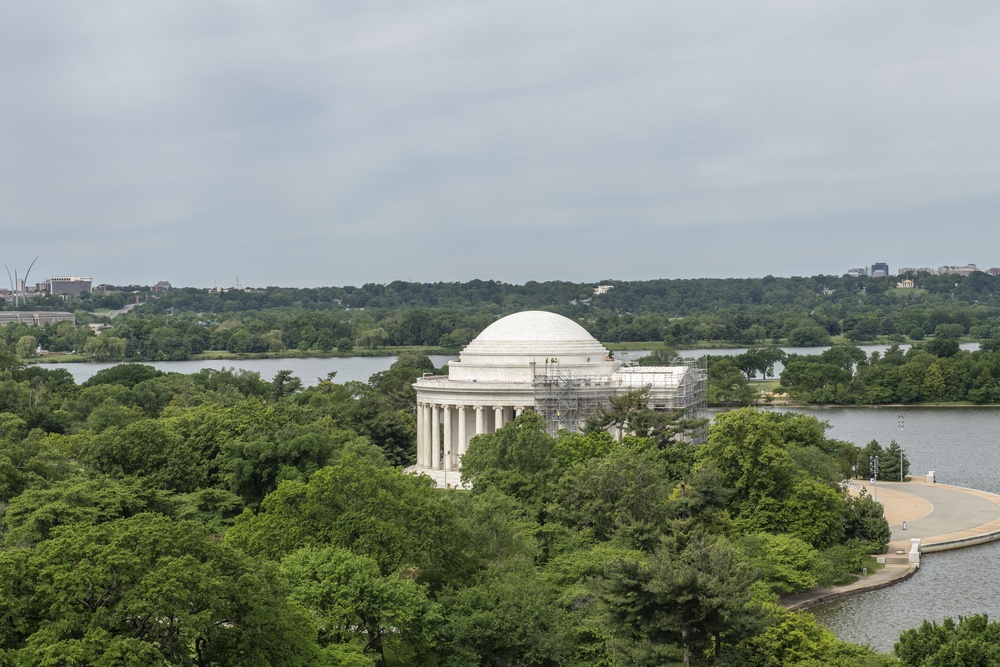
{"x": 566, "y": 401}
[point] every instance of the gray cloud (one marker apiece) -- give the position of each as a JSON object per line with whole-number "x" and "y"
{"x": 316, "y": 143}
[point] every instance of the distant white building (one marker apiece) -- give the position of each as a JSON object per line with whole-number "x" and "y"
{"x": 536, "y": 361}
{"x": 957, "y": 270}
{"x": 67, "y": 285}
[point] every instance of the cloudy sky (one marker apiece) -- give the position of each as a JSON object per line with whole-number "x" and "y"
{"x": 340, "y": 142}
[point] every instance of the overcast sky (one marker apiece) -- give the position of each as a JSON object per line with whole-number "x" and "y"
{"x": 341, "y": 142}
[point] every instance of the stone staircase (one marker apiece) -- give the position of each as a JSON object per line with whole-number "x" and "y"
{"x": 444, "y": 480}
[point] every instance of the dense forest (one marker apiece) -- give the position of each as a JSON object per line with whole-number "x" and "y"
{"x": 222, "y": 519}
{"x": 816, "y": 311}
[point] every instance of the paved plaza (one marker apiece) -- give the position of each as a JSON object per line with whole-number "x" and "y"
{"x": 942, "y": 516}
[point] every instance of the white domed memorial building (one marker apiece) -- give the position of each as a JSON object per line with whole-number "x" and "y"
{"x": 538, "y": 361}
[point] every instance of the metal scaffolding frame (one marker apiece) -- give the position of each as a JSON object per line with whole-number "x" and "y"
{"x": 567, "y": 402}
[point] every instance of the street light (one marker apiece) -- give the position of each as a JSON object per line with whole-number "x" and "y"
{"x": 873, "y": 466}
{"x": 899, "y": 420}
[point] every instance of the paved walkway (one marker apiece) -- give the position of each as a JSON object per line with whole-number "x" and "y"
{"x": 942, "y": 516}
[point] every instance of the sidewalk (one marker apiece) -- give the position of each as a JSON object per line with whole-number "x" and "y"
{"x": 941, "y": 516}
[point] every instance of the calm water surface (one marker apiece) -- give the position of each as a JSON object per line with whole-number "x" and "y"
{"x": 309, "y": 370}
{"x": 962, "y": 446}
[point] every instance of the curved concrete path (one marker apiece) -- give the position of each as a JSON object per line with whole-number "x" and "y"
{"x": 942, "y": 516}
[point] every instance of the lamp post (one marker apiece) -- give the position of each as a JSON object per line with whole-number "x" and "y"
{"x": 899, "y": 420}
{"x": 873, "y": 466}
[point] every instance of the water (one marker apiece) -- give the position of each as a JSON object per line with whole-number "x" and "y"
{"x": 961, "y": 446}
{"x": 309, "y": 370}
{"x": 952, "y": 583}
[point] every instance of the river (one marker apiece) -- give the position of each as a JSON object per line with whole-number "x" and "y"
{"x": 310, "y": 370}
{"x": 961, "y": 445}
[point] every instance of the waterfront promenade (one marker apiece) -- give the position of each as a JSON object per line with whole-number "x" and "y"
{"x": 942, "y": 516}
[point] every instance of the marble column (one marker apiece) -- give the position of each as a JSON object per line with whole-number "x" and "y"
{"x": 518, "y": 411}
{"x": 435, "y": 437}
{"x": 420, "y": 435}
{"x": 480, "y": 420}
{"x": 449, "y": 444}
{"x": 463, "y": 435}
{"x": 499, "y": 418}
{"x": 428, "y": 440}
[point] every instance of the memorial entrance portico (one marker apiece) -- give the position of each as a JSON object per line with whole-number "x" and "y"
{"x": 452, "y": 426}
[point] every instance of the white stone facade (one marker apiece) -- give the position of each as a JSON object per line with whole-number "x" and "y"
{"x": 494, "y": 381}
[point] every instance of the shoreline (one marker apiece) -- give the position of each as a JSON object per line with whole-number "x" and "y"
{"x": 942, "y": 517}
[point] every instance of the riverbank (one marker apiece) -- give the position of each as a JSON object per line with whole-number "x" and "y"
{"x": 941, "y": 516}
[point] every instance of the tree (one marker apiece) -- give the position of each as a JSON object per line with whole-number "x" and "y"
{"x": 396, "y": 383}
{"x": 351, "y": 600}
{"x": 661, "y": 356}
{"x": 889, "y": 464}
{"x": 809, "y": 336}
{"x": 105, "y": 348}
{"x": 31, "y": 460}
{"x": 786, "y": 564}
{"x": 813, "y": 512}
{"x": 622, "y": 494}
{"x": 972, "y": 642}
{"x": 27, "y": 347}
{"x": 146, "y": 590}
{"x": 630, "y": 414}
{"x": 864, "y": 522}
{"x": 511, "y": 618}
{"x": 685, "y": 601}
{"x": 284, "y": 384}
{"x": 759, "y": 360}
{"x": 935, "y": 387}
{"x": 31, "y": 517}
{"x": 149, "y": 448}
{"x": 866, "y": 460}
{"x": 748, "y": 451}
{"x": 373, "y": 338}
{"x": 253, "y": 464}
{"x": 727, "y": 385}
{"x": 942, "y": 347}
{"x": 128, "y": 375}
{"x": 951, "y": 331}
{"x": 517, "y": 460}
{"x": 797, "y": 639}
{"x": 399, "y": 520}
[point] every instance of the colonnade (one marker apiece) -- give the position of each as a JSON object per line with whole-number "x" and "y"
{"x": 450, "y": 427}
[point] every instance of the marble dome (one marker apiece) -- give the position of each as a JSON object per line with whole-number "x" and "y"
{"x": 515, "y": 347}
{"x": 536, "y": 326}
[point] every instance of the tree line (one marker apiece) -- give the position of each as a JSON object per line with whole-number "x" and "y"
{"x": 812, "y": 311}
{"x": 938, "y": 371}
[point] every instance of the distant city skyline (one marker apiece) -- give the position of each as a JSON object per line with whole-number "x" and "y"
{"x": 311, "y": 144}
{"x": 163, "y": 285}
